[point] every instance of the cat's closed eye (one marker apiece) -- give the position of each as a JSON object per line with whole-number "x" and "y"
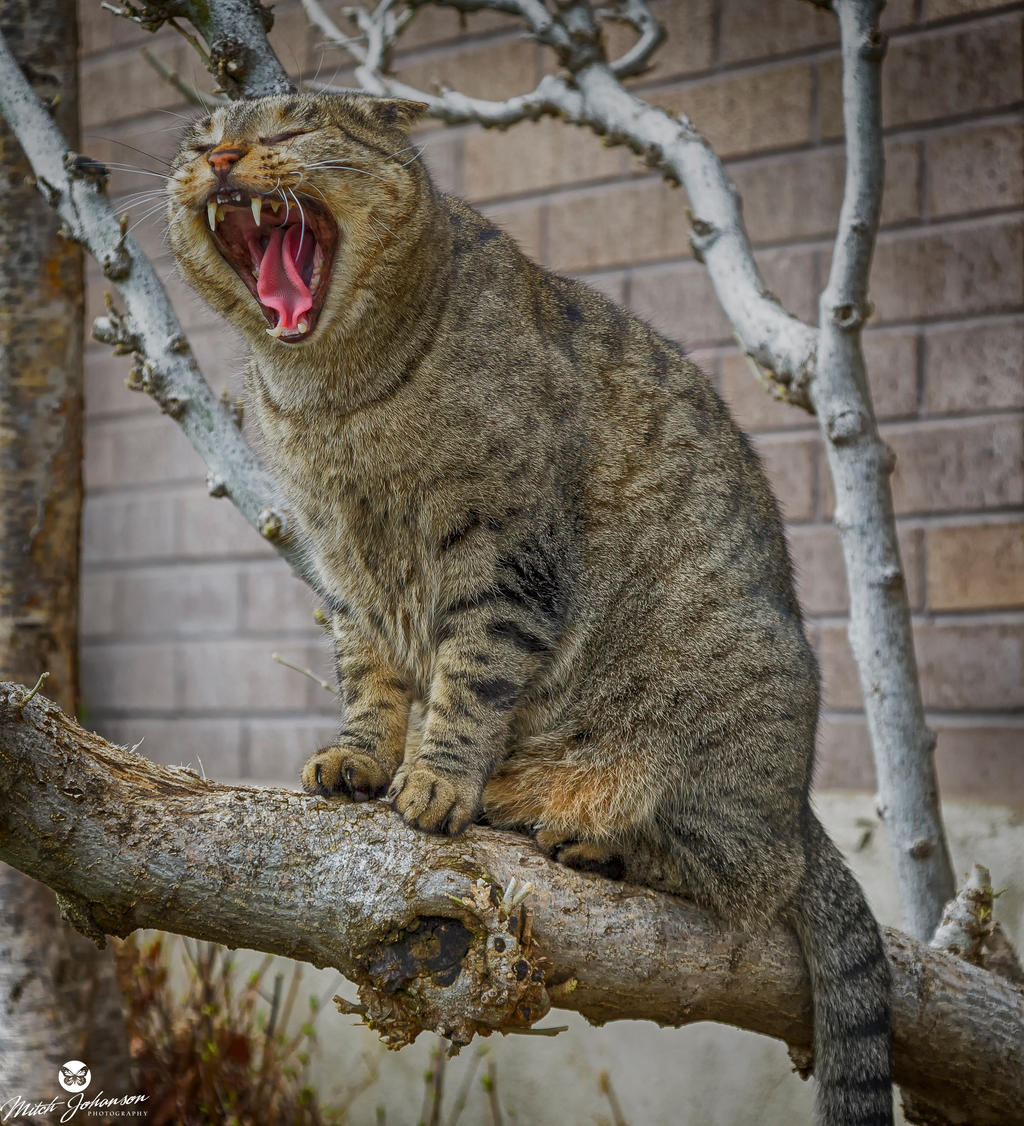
{"x": 277, "y": 138}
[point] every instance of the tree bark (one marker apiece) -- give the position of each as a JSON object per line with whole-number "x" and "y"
{"x": 58, "y": 994}
{"x": 420, "y": 924}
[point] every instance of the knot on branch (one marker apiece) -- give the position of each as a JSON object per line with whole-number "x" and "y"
{"x": 272, "y": 524}
{"x": 852, "y": 316}
{"x": 77, "y": 913}
{"x": 116, "y": 262}
{"x": 703, "y": 235}
{"x": 873, "y": 46}
{"x": 216, "y": 486}
{"x": 845, "y": 425}
{"x": 151, "y": 17}
{"x": 967, "y": 920}
{"x": 116, "y": 330}
{"x": 228, "y": 61}
{"x": 457, "y": 978}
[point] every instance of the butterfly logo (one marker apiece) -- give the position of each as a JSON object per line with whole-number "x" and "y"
{"x": 74, "y": 1076}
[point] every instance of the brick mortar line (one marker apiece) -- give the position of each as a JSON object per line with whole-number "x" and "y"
{"x": 286, "y": 635}
{"x": 948, "y": 421}
{"x": 98, "y": 715}
{"x": 1013, "y": 616}
{"x": 1013, "y": 720}
{"x": 1006, "y": 515}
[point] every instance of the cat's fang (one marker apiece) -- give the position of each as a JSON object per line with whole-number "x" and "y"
{"x": 257, "y": 207}
{"x": 211, "y": 214}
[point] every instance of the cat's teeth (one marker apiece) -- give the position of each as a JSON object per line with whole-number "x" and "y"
{"x": 257, "y": 207}
{"x": 276, "y": 331}
{"x": 303, "y": 325}
{"x": 275, "y": 205}
{"x": 211, "y": 214}
{"x": 220, "y": 214}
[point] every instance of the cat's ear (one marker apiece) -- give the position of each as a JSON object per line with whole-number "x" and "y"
{"x": 390, "y": 112}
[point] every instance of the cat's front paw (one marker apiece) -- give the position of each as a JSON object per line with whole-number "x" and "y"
{"x": 431, "y": 802}
{"x": 342, "y": 770}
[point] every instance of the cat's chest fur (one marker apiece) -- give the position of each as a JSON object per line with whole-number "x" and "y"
{"x": 364, "y": 512}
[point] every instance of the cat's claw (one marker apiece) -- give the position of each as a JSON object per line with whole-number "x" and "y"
{"x": 428, "y": 801}
{"x": 335, "y": 771}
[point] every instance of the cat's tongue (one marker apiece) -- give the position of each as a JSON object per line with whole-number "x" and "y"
{"x": 280, "y": 286}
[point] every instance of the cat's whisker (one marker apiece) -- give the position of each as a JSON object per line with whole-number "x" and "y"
{"x": 346, "y": 168}
{"x": 415, "y": 156}
{"x": 374, "y": 219}
{"x": 302, "y": 218}
{"x": 124, "y": 144}
{"x": 314, "y": 188}
{"x": 127, "y": 204}
{"x": 149, "y": 214}
{"x": 131, "y": 168}
{"x": 142, "y": 193}
{"x": 378, "y": 238}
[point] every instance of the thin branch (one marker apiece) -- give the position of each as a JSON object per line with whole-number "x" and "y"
{"x": 372, "y": 51}
{"x": 398, "y": 912}
{"x": 651, "y": 35}
{"x": 165, "y": 366}
{"x": 860, "y": 463}
{"x": 189, "y": 92}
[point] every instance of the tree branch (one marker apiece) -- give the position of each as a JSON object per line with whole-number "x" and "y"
{"x": 418, "y": 924}
{"x": 860, "y": 462}
{"x": 238, "y": 55}
{"x": 165, "y": 366}
{"x": 380, "y": 30}
{"x": 651, "y": 36}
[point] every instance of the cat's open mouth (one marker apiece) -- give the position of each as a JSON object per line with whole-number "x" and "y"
{"x": 283, "y": 251}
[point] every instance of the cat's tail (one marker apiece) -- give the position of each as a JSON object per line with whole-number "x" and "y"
{"x": 851, "y": 985}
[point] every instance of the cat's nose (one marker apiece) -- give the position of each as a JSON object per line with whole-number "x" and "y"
{"x": 222, "y": 159}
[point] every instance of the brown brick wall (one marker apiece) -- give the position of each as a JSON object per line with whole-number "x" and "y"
{"x": 183, "y": 605}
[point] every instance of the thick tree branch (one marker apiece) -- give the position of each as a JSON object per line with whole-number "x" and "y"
{"x": 860, "y": 462}
{"x": 237, "y": 53}
{"x": 402, "y": 915}
{"x": 165, "y": 366}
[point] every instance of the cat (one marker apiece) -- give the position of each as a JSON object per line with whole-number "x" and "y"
{"x": 558, "y": 579}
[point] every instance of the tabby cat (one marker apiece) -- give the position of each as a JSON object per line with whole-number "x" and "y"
{"x": 558, "y": 579}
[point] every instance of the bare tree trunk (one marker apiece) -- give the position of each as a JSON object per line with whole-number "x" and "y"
{"x": 59, "y": 998}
